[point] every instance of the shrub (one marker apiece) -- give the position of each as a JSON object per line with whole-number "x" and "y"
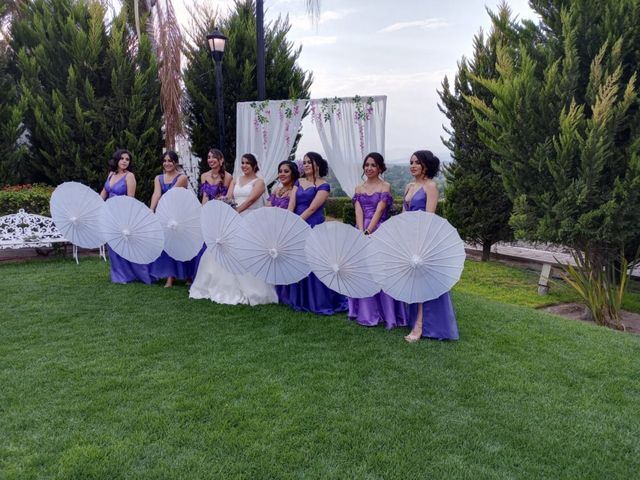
{"x": 334, "y": 206}
{"x": 32, "y": 198}
{"x": 349, "y": 214}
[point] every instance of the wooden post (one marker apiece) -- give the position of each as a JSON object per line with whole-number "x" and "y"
{"x": 543, "y": 282}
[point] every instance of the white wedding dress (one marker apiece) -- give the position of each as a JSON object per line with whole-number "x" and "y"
{"x": 215, "y": 283}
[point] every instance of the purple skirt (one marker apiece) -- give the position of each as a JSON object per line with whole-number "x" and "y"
{"x": 438, "y": 318}
{"x": 165, "y": 266}
{"x": 311, "y": 295}
{"x": 124, "y": 271}
{"x": 380, "y": 308}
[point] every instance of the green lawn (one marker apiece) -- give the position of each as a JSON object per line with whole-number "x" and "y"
{"x": 132, "y": 381}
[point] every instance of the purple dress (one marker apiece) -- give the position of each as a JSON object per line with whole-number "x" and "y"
{"x": 380, "y": 308}
{"x": 165, "y": 266}
{"x": 310, "y": 294}
{"x": 280, "y": 202}
{"x": 124, "y": 271}
{"x": 438, "y": 317}
{"x": 213, "y": 190}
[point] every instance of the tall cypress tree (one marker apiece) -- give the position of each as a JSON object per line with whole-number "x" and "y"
{"x": 476, "y": 202}
{"x": 284, "y": 78}
{"x": 565, "y": 126}
{"x": 88, "y": 91}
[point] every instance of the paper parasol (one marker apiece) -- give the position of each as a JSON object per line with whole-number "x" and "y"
{"x": 417, "y": 256}
{"x": 339, "y": 255}
{"x": 220, "y": 226}
{"x": 271, "y": 246}
{"x": 179, "y": 214}
{"x": 76, "y": 211}
{"x": 132, "y": 230}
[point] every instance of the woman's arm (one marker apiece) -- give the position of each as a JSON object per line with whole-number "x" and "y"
{"x": 292, "y": 199}
{"x": 380, "y": 209}
{"x": 432, "y": 192}
{"x": 404, "y": 197}
{"x": 131, "y": 184}
{"x": 227, "y": 179}
{"x": 318, "y": 201}
{"x": 103, "y": 193}
{"x": 229, "y": 194}
{"x": 205, "y": 197}
{"x": 157, "y": 193}
{"x": 256, "y": 193}
{"x": 182, "y": 181}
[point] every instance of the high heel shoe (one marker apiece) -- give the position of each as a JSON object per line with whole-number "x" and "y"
{"x": 411, "y": 338}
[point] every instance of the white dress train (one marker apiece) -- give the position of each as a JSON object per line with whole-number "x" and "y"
{"x": 215, "y": 283}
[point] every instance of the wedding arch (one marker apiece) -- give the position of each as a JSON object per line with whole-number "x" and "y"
{"x": 348, "y": 127}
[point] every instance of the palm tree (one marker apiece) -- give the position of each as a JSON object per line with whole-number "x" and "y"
{"x": 164, "y": 29}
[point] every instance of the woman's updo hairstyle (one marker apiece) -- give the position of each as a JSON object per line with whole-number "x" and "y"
{"x": 173, "y": 156}
{"x": 430, "y": 163}
{"x": 378, "y": 158}
{"x": 293, "y": 166}
{"x": 323, "y": 165}
{"x": 253, "y": 161}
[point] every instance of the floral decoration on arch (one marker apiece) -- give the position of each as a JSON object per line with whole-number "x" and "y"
{"x": 287, "y": 110}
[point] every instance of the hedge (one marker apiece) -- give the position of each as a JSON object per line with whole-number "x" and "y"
{"x": 32, "y": 198}
{"x": 341, "y": 208}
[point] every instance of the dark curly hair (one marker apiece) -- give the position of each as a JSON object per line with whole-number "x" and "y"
{"x": 115, "y": 158}
{"x": 295, "y": 173}
{"x": 430, "y": 163}
{"x": 379, "y": 159}
{"x": 323, "y": 165}
{"x": 173, "y": 156}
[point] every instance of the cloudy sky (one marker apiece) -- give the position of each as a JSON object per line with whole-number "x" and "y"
{"x": 400, "y": 49}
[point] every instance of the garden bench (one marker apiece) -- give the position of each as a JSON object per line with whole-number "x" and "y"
{"x": 27, "y": 230}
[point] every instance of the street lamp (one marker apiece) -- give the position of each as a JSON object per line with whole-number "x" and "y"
{"x": 217, "y": 42}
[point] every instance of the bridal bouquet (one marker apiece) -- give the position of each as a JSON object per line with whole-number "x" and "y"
{"x": 229, "y": 201}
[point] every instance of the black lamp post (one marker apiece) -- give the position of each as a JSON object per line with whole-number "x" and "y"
{"x": 217, "y": 42}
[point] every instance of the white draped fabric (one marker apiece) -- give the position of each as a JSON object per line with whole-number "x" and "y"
{"x": 267, "y": 129}
{"x": 349, "y": 128}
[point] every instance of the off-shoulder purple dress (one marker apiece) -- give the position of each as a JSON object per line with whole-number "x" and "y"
{"x": 165, "y": 266}
{"x": 124, "y": 271}
{"x": 380, "y": 308}
{"x": 310, "y": 294}
{"x": 438, "y": 316}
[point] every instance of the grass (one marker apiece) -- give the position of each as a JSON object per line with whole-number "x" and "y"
{"x": 132, "y": 381}
{"x": 518, "y": 286}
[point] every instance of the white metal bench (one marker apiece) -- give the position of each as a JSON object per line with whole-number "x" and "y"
{"x": 27, "y": 230}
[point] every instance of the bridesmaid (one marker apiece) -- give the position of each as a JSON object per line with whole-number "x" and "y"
{"x": 215, "y": 183}
{"x": 372, "y": 202}
{"x": 307, "y": 199}
{"x": 165, "y": 266}
{"x": 122, "y": 181}
{"x": 288, "y": 175}
{"x": 433, "y": 319}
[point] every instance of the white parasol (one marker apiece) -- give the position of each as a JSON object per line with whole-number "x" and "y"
{"x": 76, "y": 211}
{"x": 132, "y": 230}
{"x": 179, "y": 214}
{"x": 220, "y": 226}
{"x": 340, "y": 256}
{"x": 417, "y": 256}
{"x": 271, "y": 246}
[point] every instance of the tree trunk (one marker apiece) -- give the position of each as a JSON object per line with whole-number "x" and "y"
{"x": 486, "y": 251}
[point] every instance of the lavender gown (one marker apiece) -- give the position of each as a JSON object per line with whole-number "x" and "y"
{"x": 438, "y": 317}
{"x": 165, "y": 266}
{"x": 380, "y": 308}
{"x": 124, "y": 271}
{"x": 310, "y": 294}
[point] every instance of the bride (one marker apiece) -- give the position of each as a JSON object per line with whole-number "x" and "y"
{"x": 215, "y": 283}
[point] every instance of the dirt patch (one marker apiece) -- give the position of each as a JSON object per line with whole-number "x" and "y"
{"x": 577, "y": 311}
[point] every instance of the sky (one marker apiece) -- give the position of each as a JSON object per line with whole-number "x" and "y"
{"x": 402, "y": 49}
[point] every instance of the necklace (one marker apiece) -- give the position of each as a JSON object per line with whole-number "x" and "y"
{"x": 282, "y": 191}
